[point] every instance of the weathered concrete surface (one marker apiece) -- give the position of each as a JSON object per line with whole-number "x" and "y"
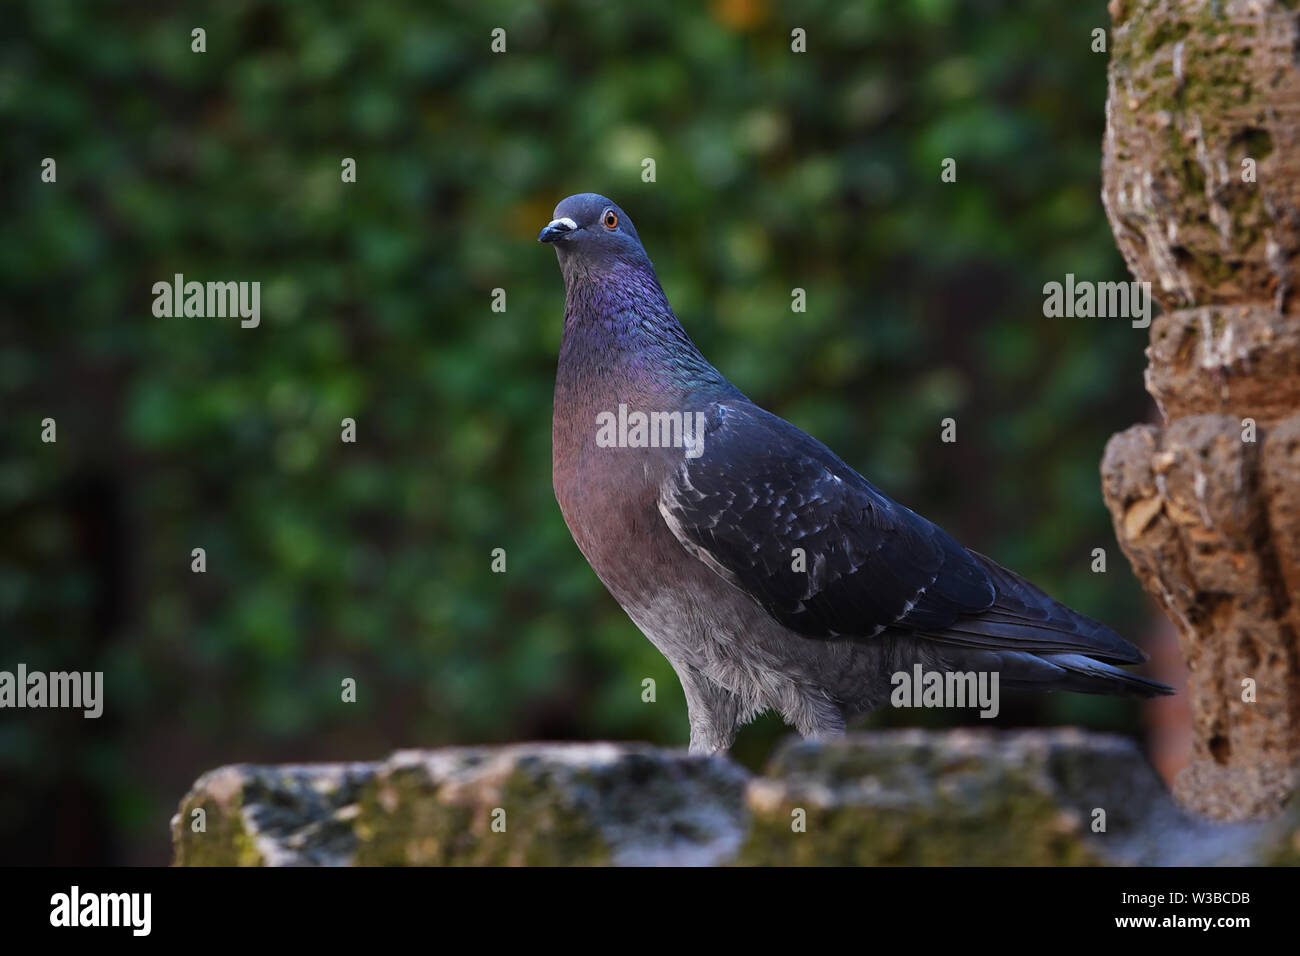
{"x": 527, "y": 804}
{"x": 1194, "y": 520}
{"x": 1241, "y": 360}
{"x": 296, "y": 815}
{"x": 980, "y": 798}
{"x": 892, "y": 797}
{"x": 560, "y": 803}
{"x": 1196, "y": 88}
{"x": 1201, "y": 184}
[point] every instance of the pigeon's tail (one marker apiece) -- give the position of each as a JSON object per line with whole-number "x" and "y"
{"x": 1038, "y": 643}
{"x": 1022, "y": 670}
{"x": 1077, "y": 673}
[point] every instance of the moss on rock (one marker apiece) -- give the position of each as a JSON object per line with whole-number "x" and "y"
{"x": 1195, "y": 89}
{"x": 900, "y": 797}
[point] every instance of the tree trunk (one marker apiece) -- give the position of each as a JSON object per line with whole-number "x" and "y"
{"x": 1201, "y": 184}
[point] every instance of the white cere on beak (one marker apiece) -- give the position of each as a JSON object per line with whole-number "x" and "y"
{"x": 566, "y": 222}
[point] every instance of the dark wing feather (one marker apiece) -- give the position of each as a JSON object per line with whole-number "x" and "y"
{"x": 1025, "y": 617}
{"x": 761, "y": 488}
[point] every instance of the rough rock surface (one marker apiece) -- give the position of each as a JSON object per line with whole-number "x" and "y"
{"x": 1241, "y": 360}
{"x": 1197, "y": 87}
{"x": 532, "y": 804}
{"x": 1202, "y": 189}
{"x": 978, "y": 798}
{"x": 889, "y": 797}
{"x": 295, "y": 815}
{"x": 1194, "y": 519}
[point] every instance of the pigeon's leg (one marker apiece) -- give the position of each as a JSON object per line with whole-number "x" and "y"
{"x": 712, "y": 709}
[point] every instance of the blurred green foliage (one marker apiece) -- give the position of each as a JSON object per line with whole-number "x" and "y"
{"x": 372, "y": 561}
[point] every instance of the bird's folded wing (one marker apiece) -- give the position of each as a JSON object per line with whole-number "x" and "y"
{"x": 780, "y": 516}
{"x": 1025, "y": 617}
{"x": 777, "y": 514}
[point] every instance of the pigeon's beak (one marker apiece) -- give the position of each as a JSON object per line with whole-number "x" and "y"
{"x": 557, "y": 229}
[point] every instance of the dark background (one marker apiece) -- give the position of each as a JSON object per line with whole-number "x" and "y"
{"x": 372, "y": 561}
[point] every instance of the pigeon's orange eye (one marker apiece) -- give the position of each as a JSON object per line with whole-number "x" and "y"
{"x": 611, "y": 220}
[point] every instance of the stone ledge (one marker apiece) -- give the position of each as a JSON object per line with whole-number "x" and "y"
{"x": 882, "y": 797}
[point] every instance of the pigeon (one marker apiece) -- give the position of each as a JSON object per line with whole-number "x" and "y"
{"x": 769, "y": 573}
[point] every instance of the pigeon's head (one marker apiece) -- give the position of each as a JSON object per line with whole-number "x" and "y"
{"x": 592, "y": 229}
